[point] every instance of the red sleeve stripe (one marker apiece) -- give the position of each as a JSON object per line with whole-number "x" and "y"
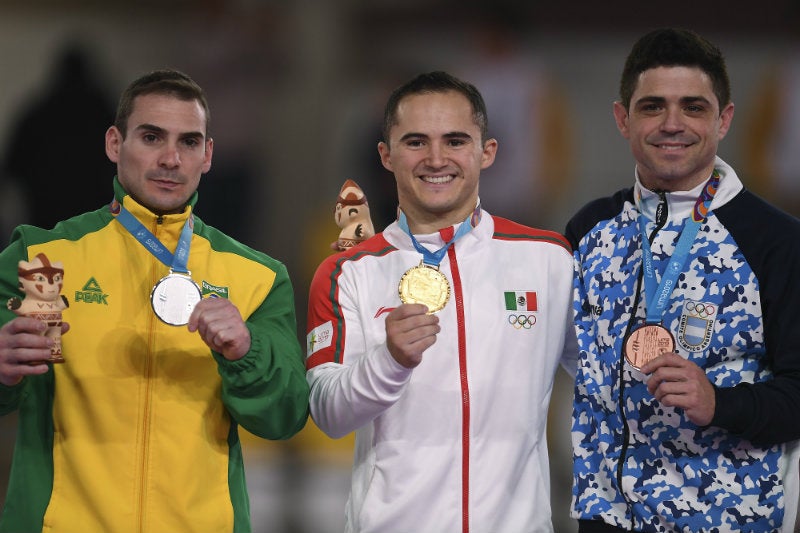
{"x": 335, "y": 354}
{"x": 507, "y": 230}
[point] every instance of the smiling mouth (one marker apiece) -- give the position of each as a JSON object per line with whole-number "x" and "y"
{"x": 438, "y": 180}
{"x": 671, "y": 147}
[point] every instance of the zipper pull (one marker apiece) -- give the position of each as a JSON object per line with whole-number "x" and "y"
{"x": 662, "y": 212}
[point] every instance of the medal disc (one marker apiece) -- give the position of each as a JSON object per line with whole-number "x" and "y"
{"x": 647, "y": 342}
{"x": 424, "y": 285}
{"x": 173, "y": 299}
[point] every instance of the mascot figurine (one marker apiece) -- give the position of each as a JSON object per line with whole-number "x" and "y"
{"x": 41, "y": 281}
{"x": 352, "y": 216}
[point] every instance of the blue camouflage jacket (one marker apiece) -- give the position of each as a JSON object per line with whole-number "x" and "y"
{"x": 639, "y": 464}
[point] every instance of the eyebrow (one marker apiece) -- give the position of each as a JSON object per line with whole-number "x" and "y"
{"x": 157, "y": 129}
{"x": 661, "y": 100}
{"x": 450, "y": 135}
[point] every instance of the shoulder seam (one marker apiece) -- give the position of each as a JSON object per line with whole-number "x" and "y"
{"x": 548, "y": 237}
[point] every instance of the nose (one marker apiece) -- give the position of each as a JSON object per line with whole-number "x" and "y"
{"x": 169, "y": 157}
{"x": 436, "y": 156}
{"x": 673, "y": 119}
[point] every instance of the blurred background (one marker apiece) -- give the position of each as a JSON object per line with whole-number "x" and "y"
{"x": 296, "y": 92}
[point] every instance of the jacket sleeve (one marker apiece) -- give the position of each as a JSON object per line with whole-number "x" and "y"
{"x": 353, "y": 380}
{"x": 570, "y": 355}
{"x": 768, "y": 412}
{"x": 10, "y": 397}
{"x": 265, "y": 391}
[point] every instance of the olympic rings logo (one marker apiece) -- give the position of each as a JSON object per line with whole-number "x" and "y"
{"x": 522, "y": 321}
{"x": 700, "y": 309}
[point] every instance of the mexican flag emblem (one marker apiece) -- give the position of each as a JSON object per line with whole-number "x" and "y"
{"x": 520, "y": 301}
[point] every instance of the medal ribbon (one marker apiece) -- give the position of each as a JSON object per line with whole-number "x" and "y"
{"x": 656, "y": 298}
{"x": 433, "y": 258}
{"x": 179, "y": 260}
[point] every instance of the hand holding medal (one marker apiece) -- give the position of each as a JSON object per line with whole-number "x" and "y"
{"x": 677, "y": 382}
{"x": 220, "y": 325}
{"x": 410, "y": 330}
{"x": 177, "y": 300}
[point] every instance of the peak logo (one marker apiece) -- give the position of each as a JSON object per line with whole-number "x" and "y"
{"x": 91, "y": 293}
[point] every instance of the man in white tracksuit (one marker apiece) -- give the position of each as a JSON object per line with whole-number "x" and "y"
{"x": 438, "y": 339}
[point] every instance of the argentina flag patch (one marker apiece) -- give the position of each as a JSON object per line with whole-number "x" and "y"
{"x": 697, "y": 325}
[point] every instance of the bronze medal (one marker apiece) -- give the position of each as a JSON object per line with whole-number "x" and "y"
{"x": 426, "y": 285}
{"x": 647, "y": 342}
{"x": 174, "y": 297}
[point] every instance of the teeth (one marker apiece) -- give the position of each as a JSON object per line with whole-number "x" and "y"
{"x": 670, "y": 146}
{"x": 437, "y": 179}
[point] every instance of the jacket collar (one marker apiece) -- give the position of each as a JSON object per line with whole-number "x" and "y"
{"x": 681, "y": 203}
{"x": 145, "y": 215}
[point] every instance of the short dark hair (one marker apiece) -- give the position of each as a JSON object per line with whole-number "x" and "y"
{"x": 436, "y": 82}
{"x": 675, "y": 47}
{"x": 165, "y": 82}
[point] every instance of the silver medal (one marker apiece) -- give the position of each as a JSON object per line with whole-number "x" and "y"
{"x": 174, "y": 297}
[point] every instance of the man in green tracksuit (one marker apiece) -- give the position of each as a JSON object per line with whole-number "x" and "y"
{"x": 175, "y": 334}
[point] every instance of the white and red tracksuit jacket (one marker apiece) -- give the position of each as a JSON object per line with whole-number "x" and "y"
{"x": 458, "y": 443}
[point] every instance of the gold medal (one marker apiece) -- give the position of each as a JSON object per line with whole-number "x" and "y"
{"x": 424, "y": 284}
{"x": 647, "y": 342}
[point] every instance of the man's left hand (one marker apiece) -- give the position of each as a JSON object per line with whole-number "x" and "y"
{"x": 676, "y": 382}
{"x": 221, "y": 327}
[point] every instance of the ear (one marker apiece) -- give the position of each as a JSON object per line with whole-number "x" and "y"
{"x": 386, "y": 157}
{"x": 621, "y": 118}
{"x": 113, "y": 142}
{"x": 725, "y": 119}
{"x": 208, "y": 154}
{"x": 489, "y": 153}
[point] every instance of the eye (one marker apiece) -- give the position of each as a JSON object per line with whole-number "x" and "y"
{"x": 414, "y": 143}
{"x": 150, "y": 138}
{"x": 650, "y": 108}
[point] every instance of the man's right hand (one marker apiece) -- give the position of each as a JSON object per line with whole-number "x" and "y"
{"x": 409, "y": 332}
{"x": 23, "y": 348}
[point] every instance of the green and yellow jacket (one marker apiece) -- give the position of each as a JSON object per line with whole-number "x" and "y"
{"x": 137, "y": 432}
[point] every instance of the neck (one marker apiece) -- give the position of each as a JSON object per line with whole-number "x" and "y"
{"x": 423, "y": 225}
{"x": 675, "y": 184}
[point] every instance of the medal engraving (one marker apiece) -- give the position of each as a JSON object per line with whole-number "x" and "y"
{"x": 173, "y": 299}
{"x": 647, "y": 342}
{"x": 424, "y": 285}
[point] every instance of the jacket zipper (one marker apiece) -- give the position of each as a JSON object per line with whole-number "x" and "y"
{"x": 146, "y": 411}
{"x": 662, "y": 212}
{"x": 465, "y": 398}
